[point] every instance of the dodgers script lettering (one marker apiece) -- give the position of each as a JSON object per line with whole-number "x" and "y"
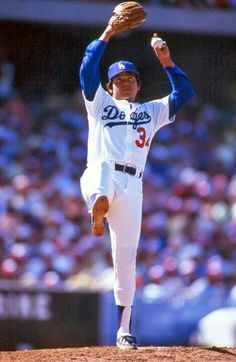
{"x": 114, "y": 114}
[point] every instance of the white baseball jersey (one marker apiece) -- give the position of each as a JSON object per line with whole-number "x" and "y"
{"x": 122, "y": 131}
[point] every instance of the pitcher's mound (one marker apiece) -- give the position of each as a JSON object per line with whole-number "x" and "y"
{"x": 103, "y": 354}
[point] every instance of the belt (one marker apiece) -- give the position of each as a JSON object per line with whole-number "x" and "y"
{"x": 128, "y": 169}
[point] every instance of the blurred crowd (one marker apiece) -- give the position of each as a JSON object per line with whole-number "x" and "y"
{"x": 188, "y": 238}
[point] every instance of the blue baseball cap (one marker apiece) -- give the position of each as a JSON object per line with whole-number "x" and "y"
{"x": 121, "y": 67}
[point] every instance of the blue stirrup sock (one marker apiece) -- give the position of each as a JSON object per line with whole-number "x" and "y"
{"x": 124, "y": 319}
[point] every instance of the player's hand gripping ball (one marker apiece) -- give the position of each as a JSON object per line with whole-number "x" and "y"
{"x": 127, "y": 15}
{"x": 156, "y": 41}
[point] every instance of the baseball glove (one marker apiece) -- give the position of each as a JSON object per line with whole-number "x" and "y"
{"x": 127, "y": 15}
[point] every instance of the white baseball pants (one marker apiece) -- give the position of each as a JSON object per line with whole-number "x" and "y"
{"x": 125, "y": 196}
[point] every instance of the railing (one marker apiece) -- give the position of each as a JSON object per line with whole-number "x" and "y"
{"x": 162, "y": 18}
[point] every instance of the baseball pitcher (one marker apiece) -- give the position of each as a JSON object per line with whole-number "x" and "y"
{"x": 120, "y": 134}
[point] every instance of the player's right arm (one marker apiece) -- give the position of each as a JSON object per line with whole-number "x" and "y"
{"x": 89, "y": 70}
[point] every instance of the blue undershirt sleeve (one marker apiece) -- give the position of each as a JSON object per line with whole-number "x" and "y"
{"x": 182, "y": 91}
{"x": 89, "y": 70}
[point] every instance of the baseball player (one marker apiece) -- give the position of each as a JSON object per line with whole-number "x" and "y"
{"x": 120, "y": 134}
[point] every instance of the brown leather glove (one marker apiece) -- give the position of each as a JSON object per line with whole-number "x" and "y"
{"x": 127, "y": 15}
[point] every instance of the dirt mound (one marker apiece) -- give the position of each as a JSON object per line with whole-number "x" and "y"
{"x": 103, "y": 354}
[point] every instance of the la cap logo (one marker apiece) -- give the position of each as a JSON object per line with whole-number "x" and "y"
{"x": 121, "y": 66}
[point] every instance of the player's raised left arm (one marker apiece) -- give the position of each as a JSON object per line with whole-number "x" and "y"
{"x": 182, "y": 90}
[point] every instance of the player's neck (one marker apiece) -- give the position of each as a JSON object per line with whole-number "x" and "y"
{"x": 130, "y": 100}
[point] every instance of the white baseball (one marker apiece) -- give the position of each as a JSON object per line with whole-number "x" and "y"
{"x": 157, "y": 42}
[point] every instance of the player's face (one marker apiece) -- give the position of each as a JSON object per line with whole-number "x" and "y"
{"x": 125, "y": 86}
